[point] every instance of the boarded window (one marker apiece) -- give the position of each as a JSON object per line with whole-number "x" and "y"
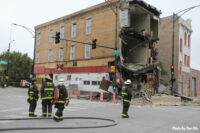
{"x": 188, "y": 61}
{"x": 38, "y": 39}
{"x": 50, "y": 55}
{"x": 38, "y": 57}
{"x": 61, "y": 50}
{"x": 87, "y": 51}
{"x": 72, "y": 52}
{"x": 86, "y": 82}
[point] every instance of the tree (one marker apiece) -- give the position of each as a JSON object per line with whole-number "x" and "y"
{"x": 20, "y": 66}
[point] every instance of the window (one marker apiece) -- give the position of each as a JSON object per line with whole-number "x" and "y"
{"x": 185, "y": 59}
{"x": 94, "y": 82}
{"x": 88, "y": 26}
{"x": 180, "y": 67}
{"x": 188, "y": 61}
{"x": 86, "y": 82}
{"x": 73, "y": 34}
{"x": 38, "y": 57}
{"x": 51, "y": 35}
{"x": 50, "y": 55}
{"x": 62, "y": 32}
{"x": 185, "y": 38}
{"x": 69, "y": 77}
{"x": 61, "y": 50}
{"x": 181, "y": 45}
{"x": 188, "y": 41}
{"x": 38, "y": 39}
{"x": 72, "y": 53}
{"x": 87, "y": 51}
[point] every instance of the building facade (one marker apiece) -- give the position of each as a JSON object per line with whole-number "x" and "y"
{"x": 182, "y": 52}
{"x": 83, "y": 67}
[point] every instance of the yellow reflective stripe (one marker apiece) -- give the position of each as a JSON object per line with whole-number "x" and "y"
{"x": 31, "y": 113}
{"x": 49, "y": 113}
{"x": 124, "y": 114}
{"x": 123, "y": 93}
{"x": 45, "y": 98}
{"x": 57, "y": 117}
{"x": 44, "y": 113}
{"x": 67, "y": 98}
{"x": 126, "y": 100}
{"x": 48, "y": 89}
{"x": 31, "y": 92}
{"x": 60, "y": 102}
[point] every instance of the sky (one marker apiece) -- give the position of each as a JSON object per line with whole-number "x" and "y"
{"x": 30, "y": 13}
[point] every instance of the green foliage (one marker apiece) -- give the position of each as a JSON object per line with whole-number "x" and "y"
{"x": 163, "y": 71}
{"x": 20, "y": 66}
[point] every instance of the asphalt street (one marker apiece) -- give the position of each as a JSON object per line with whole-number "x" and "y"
{"x": 144, "y": 119}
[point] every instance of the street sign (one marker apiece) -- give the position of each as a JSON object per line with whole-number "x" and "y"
{"x": 3, "y": 62}
{"x": 115, "y": 52}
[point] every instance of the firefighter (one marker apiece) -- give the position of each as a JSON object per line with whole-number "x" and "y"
{"x": 33, "y": 98}
{"x": 126, "y": 95}
{"x": 60, "y": 100}
{"x": 47, "y": 94}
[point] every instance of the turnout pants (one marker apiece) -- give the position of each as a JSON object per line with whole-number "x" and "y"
{"x": 126, "y": 106}
{"x": 59, "y": 113}
{"x": 33, "y": 104}
{"x": 46, "y": 105}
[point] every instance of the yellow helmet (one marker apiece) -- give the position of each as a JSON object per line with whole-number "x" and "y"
{"x": 128, "y": 81}
{"x": 61, "y": 80}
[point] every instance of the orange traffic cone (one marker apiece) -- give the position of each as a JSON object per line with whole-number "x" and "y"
{"x": 78, "y": 93}
{"x": 90, "y": 96}
{"x": 114, "y": 97}
{"x": 101, "y": 96}
{"x": 68, "y": 93}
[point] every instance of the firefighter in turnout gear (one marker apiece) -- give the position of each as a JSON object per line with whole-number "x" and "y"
{"x": 60, "y": 100}
{"x": 47, "y": 94}
{"x": 33, "y": 98}
{"x": 126, "y": 96}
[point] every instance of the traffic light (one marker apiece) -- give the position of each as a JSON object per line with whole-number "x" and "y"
{"x": 94, "y": 44}
{"x": 172, "y": 70}
{"x": 112, "y": 68}
{"x": 57, "y": 40}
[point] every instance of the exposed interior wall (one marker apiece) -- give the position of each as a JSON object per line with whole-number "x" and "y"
{"x": 138, "y": 54}
{"x": 154, "y": 29}
{"x": 140, "y": 20}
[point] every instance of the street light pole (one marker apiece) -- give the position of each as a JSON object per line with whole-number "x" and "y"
{"x": 173, "y": 28}
{"x": 33, "y": 33}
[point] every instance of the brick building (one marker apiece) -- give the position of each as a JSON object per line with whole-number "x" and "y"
{"x": 81, "y": 66}
{"x": 195, "y": 79}
{"x": 183, "y": 31}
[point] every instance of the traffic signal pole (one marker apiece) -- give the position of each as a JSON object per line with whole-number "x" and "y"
{"x": 172, "y": 75}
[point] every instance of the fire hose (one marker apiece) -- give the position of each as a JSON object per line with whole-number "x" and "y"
{"x": 113, "y": 123}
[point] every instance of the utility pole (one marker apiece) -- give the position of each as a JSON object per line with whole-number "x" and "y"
{"x": 116, "y": 23}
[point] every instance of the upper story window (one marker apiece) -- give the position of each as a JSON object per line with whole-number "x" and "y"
{"x": 38, "y": 57}
{"x": 51, "y": 35}
{"x": 185, "y": 38}
{"x": 62, "y": 32}
{"x": 74, "y": 26}
{"x": 87, "y": 51}
{"x": 188, "y": 41}
{"x": 188, "y": 61}
{"x": 61, "y": 51}
{"x": 185, "y": 60}
{"x": 38, "y": 39}
{"x": 50, "y": 55}
{"x": 72, "y": 52}
{"x": 181, "y": 45}
{"x": 88, "y": 26}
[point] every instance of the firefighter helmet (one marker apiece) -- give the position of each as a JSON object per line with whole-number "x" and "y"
{"x": 128, "y": 81}
{"x": 48, "y": 77}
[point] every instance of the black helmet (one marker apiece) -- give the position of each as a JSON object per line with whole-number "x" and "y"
{"x": 33, "y": 80}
